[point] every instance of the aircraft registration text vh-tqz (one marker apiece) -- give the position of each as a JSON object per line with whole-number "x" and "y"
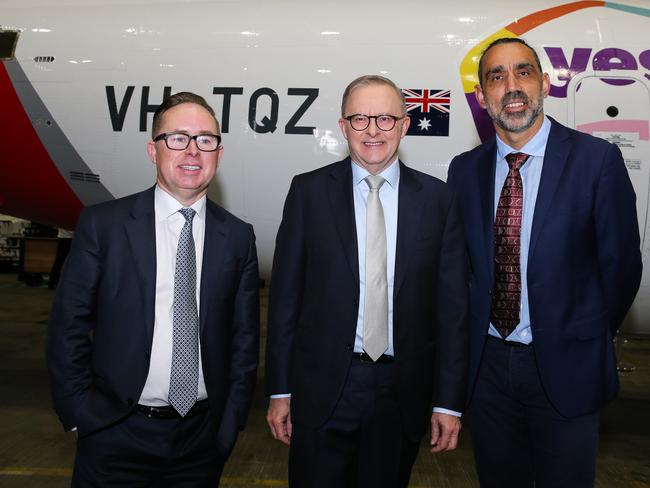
{"x": 267, "y": 123}
{"x": 80, "y": 80}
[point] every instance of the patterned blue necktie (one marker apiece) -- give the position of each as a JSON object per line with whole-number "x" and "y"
{"x": 183, "y": 384}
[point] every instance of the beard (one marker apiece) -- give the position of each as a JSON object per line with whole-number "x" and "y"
{"x": 518, "y": 121}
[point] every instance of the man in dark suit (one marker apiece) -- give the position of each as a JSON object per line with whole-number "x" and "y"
{"x": 553, "y": 240}
{"x": 153, "y": 336}
{"x": 362, "y": 344}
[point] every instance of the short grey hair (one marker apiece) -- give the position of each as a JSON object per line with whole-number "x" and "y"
{"x": 367, "y": 80}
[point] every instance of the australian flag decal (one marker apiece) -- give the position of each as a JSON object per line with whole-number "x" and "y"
{"x": 429, "y": 111}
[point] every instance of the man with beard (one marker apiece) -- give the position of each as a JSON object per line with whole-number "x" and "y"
{"x": 553, "y": 240}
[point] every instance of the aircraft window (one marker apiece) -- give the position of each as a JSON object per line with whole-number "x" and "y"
{"x": 8, "y": 41}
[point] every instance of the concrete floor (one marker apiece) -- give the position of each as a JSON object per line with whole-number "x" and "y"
{"x": 34, "y": 451}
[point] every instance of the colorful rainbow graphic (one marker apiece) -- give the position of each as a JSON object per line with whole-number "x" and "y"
{"x": 469, "y": 65}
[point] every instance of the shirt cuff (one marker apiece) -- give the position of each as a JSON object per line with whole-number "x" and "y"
{"x": 281, "y": 395}
{"x": 447, "y": 411}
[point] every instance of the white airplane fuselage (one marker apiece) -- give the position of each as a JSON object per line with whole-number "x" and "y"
{"x": 78, "y": 91}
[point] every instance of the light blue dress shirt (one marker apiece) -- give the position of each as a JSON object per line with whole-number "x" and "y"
{"x": 531, "y": 173}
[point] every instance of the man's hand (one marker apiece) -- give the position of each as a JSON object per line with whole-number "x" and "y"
{"x": 445, "y": 430}
{"x": 278, "y": 417}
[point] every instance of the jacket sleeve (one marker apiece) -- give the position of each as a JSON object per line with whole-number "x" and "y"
{"x": 72, "y": 321}
{"x": 452, "y": 346}
{"x": 285, "y": 294}
{"x": 617, "y": 236}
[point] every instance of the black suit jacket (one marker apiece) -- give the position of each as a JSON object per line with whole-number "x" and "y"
{"x": 584, "y": 262}
{"x": 102, "y": 320}
{"x": 314, "y": 297}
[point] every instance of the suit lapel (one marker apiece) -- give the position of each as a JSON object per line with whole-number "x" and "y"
{"x": 555, "y": 158}
{"x": 339, "y": 192}
{"x": 486, "y": 169}
{"x": 141, "y": 234}
{"x": 214, "y": 251}
{"x": 409, "y": 214}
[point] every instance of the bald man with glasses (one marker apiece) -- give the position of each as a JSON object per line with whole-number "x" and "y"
{"x": 153, "y": 337}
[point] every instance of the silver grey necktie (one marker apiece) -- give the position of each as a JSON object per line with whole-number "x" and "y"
{"x": 183, "y": 384}
{"x": 375, "y": 312}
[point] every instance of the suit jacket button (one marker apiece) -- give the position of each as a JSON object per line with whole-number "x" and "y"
{"x": 349, "y": 347}
{"x": 356, "y": 301}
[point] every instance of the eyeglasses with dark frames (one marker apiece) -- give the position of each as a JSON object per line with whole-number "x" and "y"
{"x": 361, "y": 122}
{"x": 179, "y": 141}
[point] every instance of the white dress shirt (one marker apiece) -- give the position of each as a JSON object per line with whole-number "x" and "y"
{"x": 169, "y": 223}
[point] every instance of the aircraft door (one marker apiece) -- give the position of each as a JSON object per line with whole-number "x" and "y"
{"x": 616, "y": 106}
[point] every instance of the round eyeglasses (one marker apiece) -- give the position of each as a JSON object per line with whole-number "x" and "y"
{"x": 361, "y": 122}
{"x": 179, "y": 141}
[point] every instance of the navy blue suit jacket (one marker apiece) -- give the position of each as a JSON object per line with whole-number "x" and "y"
{"x": 584, "y": 264}
{"x": 314, "y": 297}
{"x": 102, "y": 320}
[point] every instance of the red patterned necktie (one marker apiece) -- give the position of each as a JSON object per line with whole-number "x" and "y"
{"x": 506, "y": 295}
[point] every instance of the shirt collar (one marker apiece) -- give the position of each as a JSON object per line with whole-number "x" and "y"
{"x": 535, "y": 147}
{"x": 166, "y": 205}
{"x": 390, "y": 174}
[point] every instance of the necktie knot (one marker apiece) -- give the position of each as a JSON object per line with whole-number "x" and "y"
{"x": 374, "y": 182}
{"x": 516, "y": 160}
{"x": 188, "y": 213}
